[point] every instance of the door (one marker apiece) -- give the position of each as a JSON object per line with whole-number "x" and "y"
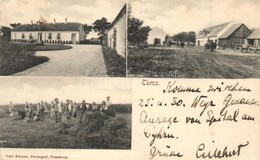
{"x": 198, "y": 43}
{"x": 39, "y": 37}
{"x": 73, "y": 38}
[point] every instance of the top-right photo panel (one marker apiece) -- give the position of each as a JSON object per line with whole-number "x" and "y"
{"x": 194, "y": 39}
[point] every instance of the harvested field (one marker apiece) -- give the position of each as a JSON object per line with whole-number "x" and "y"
{"x": 192, "y": 63}
{"x": 86, "y": 134}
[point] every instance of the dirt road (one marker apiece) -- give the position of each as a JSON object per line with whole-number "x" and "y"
{"x": 193, "y": 63}
{"x": 80, "y": 61}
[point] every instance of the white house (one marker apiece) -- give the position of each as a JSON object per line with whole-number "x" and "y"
{"x": 116, "y": 34}
{"x": 211, "y": 33}
{"x": 226, "y": 34}
{"x": 156, "y": 36}
{"x": 254, "y": 38}
{"x": 68, "y": 32}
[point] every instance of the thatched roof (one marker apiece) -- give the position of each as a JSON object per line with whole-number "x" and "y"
{"x": 255, "y": 34}
{"x": 230, "y": 30}
{"x": 212, "y": 31}
{"x": 49, "y": 27}
{"x": 215, "y": 30}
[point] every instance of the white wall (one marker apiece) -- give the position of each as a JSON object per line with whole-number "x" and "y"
{"x": 203, "y": 41}
{"x": 153, "y": 34}
{"x": 120, "y": 38}
{"x": 64, "y": 35}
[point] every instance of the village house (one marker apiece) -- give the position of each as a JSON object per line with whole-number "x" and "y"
{"x": 254, "y": 38}
{"x": 67, "y": 32}
{"x": 226, "y": 34}
{"x": 156, "y": 36}
{"x": 117, "y": 32}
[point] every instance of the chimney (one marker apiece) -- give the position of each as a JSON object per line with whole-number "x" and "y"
{"x": 31, "y": 21}
{"x": 66, "y": 20}
{"x": 54, "y": 21}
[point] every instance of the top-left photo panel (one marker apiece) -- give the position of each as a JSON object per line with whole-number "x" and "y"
{"x": 60, "y": 38}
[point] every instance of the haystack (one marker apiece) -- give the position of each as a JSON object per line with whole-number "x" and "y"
{"x": 101, "y": 131}
{"x": 4, "y": 112}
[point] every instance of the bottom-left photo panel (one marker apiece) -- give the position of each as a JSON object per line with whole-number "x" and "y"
{"x": 65, "y": 113}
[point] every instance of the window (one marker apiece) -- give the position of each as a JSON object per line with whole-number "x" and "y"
{"x": 58, "y": 36}
{"x": 30, "y": 36}
{"x": 49, "y": 36}
{"x": 23, "y": 36}
{"x": 15, "y": 35}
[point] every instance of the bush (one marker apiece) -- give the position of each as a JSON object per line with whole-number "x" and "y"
{"x": 115, "y": 63}
{"x": 17, "y": 57}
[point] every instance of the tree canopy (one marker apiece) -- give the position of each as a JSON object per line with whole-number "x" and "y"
{"x": 101, "y": 25}
{"x": 5, "y": 33}
{"x": 137, "y": 33}
{"x": 87, "y": 28}
{"x": 185, "y": 36}
{"x": 15, "y": 24}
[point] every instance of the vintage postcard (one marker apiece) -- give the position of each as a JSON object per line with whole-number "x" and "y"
{"x": 129, "y": 79}
{"x": 67, "y": 113}
{"x": 194, "y": 39}
{"x": 63, "y": 38}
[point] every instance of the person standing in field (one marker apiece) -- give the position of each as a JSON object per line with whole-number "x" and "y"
{"x": 56, "y": 109}
{"x": 30, "y": 110}
{"x": 11, "y": 107}
{"x": 75, "y": 108}
{"x": 52, "y": 109}
{"x": 69, "y": 110}
{"x": 108, "y": 103}
{"x": 23, "y": 110}
{"x": 63, "y": 107}
{"x": 83, "y": 108}
{"x": 94, "y": 107}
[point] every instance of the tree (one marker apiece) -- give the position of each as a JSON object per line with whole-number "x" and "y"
{"x": 100, "y": 26}
{"x": 87, "y": 28}
{"x": 185, "y": 36}
{"x": 15, "y": 24}
{"x": 6, "y": 33}
{"x": 137, "y": 33}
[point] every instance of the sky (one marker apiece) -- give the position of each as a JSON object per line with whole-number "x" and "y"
{"x": 83, "y": 11}
{"x": 174, "y": 16}
{"x": 19, "y": 90}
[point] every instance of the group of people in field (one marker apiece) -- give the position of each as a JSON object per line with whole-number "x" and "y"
{"x": 56, "y": 109}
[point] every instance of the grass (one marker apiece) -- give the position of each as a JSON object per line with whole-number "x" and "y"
{"x": 49, "y": 47}
{"x": 116, "y": 66}
{"x": 16, "y": 133}
{"x": 16, "y": 57}
{"x": 191, "y": 63}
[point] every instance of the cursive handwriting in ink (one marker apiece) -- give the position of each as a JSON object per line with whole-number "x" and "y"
{"x": 146, "y": 119}
{"x": 229, "y": 88}
{"x": 150, "y": 132}
{"x": 219, "y": 153}
{"x": 173, "y": 88}
{"x": 154, "y": 152}
{"x": 201, "y": 102}
{"x": 229, "y": 101}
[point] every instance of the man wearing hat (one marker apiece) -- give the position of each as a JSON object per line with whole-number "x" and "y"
{"x": 83, "y": 108}
{"x": 56, "y": 110}
{"x": 108, "y": 103}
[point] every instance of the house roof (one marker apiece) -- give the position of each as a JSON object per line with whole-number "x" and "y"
{"x": 215, "y": 30}
{"x": 255, "y": 34}
{"x": 212, "y": 31}
{"x": 70, "y": 26}
{"x": 121, "y": 14}
{"x": 230, "y": 30}
{"x": 156, "y": 31}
